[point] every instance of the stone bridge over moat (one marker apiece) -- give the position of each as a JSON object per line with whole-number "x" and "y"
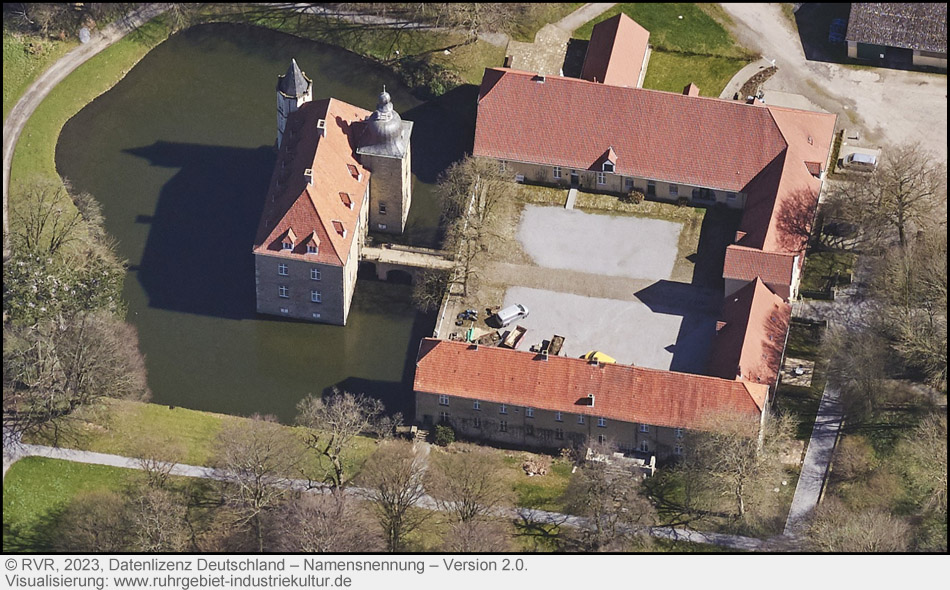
{"x": 388, "y": 257}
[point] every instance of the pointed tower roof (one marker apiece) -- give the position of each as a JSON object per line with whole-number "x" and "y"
{"x": 294, "y": 82}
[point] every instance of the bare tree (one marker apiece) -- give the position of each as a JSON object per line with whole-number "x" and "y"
{"x": 45, "y": 217}
{"x": 609, "y": 496}
{"x": 912, "y": 284}
{"x": 466, "y": 483}
{"x": 924, "y": 450}
{"x": 157, "y": 521}
{"x": 256, "y": 458}
{"x": 157, "y": 457}
{"x": 478, "y": 536}
{"x": 429, "y": 289}
{"x": 907, "y": 192}
{"x": 473, "y": 192}
{"x": 326, "y": 523}
{"x": 51, "y": 370}
{"x": 333, "y": 423}
{"x": 393, "y": 478}
{"x": 728, "y": 451}
{"x": 859, "y": 364}
{"x": 94, "y": 522}
{"x": 838, "y": 529}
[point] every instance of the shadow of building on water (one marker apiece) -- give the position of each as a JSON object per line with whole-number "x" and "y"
{"x": 197, "y": 258}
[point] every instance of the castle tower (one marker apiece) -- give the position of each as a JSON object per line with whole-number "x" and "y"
{"x": 293, "y": 89}
{"x": 384, "y": 150}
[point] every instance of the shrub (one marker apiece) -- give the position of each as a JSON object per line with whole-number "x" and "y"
{"x": 443, "y": 435}
{"x": 636, "y": 197}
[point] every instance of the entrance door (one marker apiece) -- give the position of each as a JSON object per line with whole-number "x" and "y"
{"x": 575, "y": 178}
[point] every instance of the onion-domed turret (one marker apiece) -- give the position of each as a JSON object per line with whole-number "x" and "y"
{"x": 384, "y": 132}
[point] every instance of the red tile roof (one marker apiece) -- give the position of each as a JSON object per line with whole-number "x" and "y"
{"x": 750, "y": 344}
{"x": 312, "y": 209}
{"x": 616, "y": 52}
{"x": 657, "y": 135}
{"x": 621, "y": 392}
{"x": 745, "y": 264}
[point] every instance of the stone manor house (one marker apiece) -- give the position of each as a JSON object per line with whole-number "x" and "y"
{"x": 340, "y": 171}
{"x": 765, "y": 160}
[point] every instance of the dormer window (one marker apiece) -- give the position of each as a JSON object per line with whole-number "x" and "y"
{"x": 347, "y": 201}
{"x": 313, "y": 249}
{"x": 339, "y": 227}
{"x": 608, "y": 166}
{"x": 286, "y": 245}
{"x": 355, "y": 172}
{"x": 288, "y": 241}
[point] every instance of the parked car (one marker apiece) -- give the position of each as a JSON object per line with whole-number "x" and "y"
{"x": 511, "y": 313}
{"x": 859, "y": 161}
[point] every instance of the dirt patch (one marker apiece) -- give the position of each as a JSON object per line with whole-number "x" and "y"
{"x": 752, "y": 85}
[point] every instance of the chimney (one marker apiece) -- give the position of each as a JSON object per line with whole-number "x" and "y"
{"x": 309, "y": 174}
{"x": 322, "y": 127}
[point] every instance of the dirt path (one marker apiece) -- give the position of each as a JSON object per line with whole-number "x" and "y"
{"x": 892, "y": 106}
{"x": 45, "y": 83}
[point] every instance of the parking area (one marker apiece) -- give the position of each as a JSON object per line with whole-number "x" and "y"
{"x": 633, "y": 247}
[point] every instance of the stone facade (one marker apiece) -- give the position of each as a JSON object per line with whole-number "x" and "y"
{"x": 608, "y": 182}
{"x": 390, "y": 189}
{"x": 546, "y": 429}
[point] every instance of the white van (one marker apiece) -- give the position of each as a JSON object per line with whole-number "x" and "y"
{"x": 860, "y": 161}
{"x": 511, "y": 313}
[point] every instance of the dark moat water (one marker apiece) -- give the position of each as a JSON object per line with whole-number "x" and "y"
{"x": 179, "y": 154}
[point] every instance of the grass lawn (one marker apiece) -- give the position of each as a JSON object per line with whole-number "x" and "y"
{"x": 538, "y": 15}
{"x": 37, "y": 489}
{"x": 671, "y": 72}
{"x": 695, "y": 48}
{"x": 25, "y": 57}
{"x": 804, "y": 342}
{"x": 820, "y": 269}
{"x": 539, "y": 492}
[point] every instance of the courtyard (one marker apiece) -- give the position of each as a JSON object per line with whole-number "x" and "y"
{"x": 641, "y": 286}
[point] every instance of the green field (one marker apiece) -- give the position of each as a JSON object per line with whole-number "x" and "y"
{"x": 25, "y": 57}
{"x": 695, "y": 48}
{"x": 35, "y": 492}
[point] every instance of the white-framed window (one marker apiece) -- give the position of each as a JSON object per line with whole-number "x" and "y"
{"x": 628, "y": 183}
{"x": 503, "y": 426}
{"x": 601, "y": 178}
{"x": 477, "y": 405}
{"x": 313, "y": 249}
{"x": 529, "y": 412}
{"x": 381, "y": 226}
{"x": 602, "y": 422}
{"x": 282, "y": 269}
{"x": 443, "y": 416}
{"x": 580, "y": 418}
{"x": 283, "y": 291}
{"x": 678, "y": 432}
{"x": 519, "y": 177}
{"x": 558, "y": 417}
{"x": 284, "y": 310}
{"x": 382, "y": 208}
{"x": 314, "y": 274}
{"x": 644, "y": 446}
{"x": 557, "y": 172}
{"x": 316, "y": 296}
{"x": 503, "y": 409}
{"x": 678, "y": 450}
{"x": 287, "y": 245}
{"x": 477, "y": 422}
{"x": 559, "y": 433}
{"x": 674, "y": 190}
{"x": 316, "y": 315}
{"x": 601, "y": 438}
{"x": 502, "y": 165}
{"x": 644, "y": 428}
{"x": 443, "y": 399}
{"x": 608, "y": 166}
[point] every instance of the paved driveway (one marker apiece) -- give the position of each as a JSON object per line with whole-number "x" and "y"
{"x": 892, "y": 106}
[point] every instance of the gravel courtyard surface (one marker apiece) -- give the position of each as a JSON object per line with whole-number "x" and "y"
{"x": 629, "y": 331}
{"x": 622, "y": 246}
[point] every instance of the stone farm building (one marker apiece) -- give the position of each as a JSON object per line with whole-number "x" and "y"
{"x": 340, "y": 171}
{"x": 616, "y": 138}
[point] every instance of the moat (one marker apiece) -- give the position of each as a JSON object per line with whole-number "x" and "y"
{"x": 179, "y": 154}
